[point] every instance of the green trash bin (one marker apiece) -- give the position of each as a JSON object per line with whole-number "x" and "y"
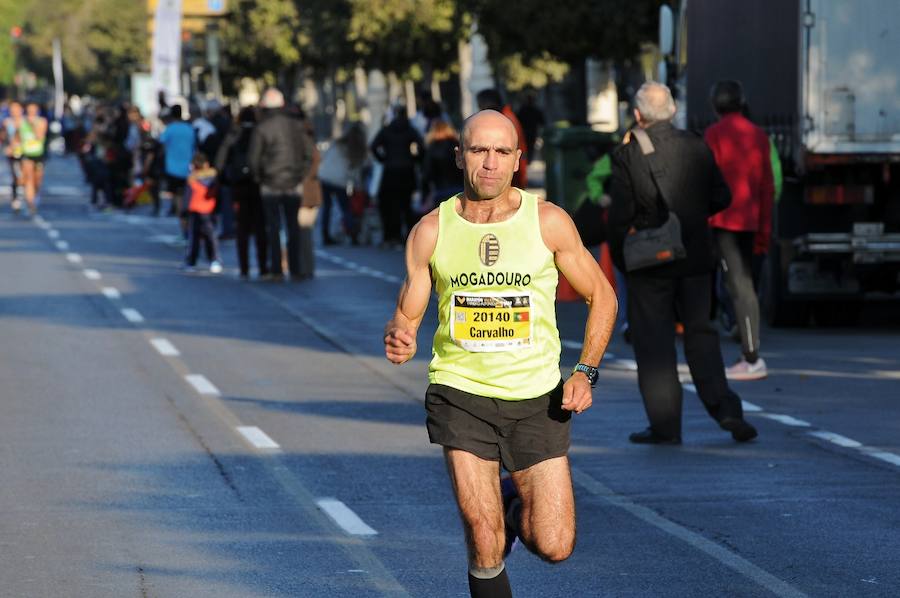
{"x": 569, "y": 155}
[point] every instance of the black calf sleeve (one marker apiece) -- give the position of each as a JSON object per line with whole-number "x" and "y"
{"x": 494, "y": 587}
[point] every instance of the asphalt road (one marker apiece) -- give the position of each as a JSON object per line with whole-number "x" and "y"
{"x": 177, "y": 435}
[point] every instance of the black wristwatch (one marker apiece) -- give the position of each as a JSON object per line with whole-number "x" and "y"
{"x": 590, "y": 371}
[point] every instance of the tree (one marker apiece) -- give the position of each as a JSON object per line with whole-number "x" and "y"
{"x": 11, "y": 15}
{"x": 103, "y": 41}
{"x": 261, "y": 39}
{"x": 577, "y": 29}
{"x": 326, "y": 29}
{"x": 528, "y": 46}
{"x": 408, "y": 37}
{"x": 272, "y": 39}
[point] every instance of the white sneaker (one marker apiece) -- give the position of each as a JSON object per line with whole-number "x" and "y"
{"x": 215, "y": 267}
{"x": 743, "y": 370}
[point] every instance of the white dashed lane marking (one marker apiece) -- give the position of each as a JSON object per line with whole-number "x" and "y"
{"x": 202, "y": 385}
{"x": 257, "y": 437}
{"x": 52, "y": 233}
{"x": 346, "y": 519}
{"x": 91, "y": 274}
{"x": 787, "y": 420}
{"x": 164, "y": 347}
{"x": 359, "y": 269}
{"x": 885, "y": 456}
{"x": 62, "y": 245}
{"x": 74, "y": 258}
{"x": 836, "y": 439}
{"x": 132, "y": 315}
{"x": 111, "y": 293}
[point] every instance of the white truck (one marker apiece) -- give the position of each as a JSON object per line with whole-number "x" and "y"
{"x": 823, "y": 78}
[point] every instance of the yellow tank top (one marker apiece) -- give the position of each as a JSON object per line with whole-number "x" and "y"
{"x": 496, "y": 286}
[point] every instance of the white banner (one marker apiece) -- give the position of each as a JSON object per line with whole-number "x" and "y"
{"x": 166, "y": 66}
{"x": 59, "y": 96}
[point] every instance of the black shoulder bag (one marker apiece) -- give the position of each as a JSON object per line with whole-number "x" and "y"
{"x": 650, "y": 247}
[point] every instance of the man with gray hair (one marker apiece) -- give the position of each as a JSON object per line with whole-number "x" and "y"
{"x": 673, "y": 172}
{"x": 280, "y": 156}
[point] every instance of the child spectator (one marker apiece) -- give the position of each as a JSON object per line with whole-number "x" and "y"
{"x": 201, "y": 199}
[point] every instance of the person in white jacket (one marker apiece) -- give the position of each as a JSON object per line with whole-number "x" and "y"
{"x": 340, "y": 172}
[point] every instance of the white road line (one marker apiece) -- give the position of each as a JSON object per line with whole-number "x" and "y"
{"x": 843, "y": 441}
{"x": 164, "y": 347}
{"x": 628, "y": 364}
{"x": 91, "y": 274}
{"x": 884, "y": 456}
{"x": 74, "y": 258}
{"x": 66, "y": 190}
{"x": 202, "y": 385}
{"x": 787, "y": 420}
{"x": 751, "y": 408}
{"x": 62, "y": 245}
{"x": 836, "y": 439}
{"x": 166, "y": 239}
{"x": 344, "y": 517}
{"x": 111, "y": 293}
{"x": 359, "y": 269}
{"x": 132, "y": 315}
{"x": 53, "y": 234}
{"x": 718, "y": 552}
{"x": 257, "y": 437}
{"x": 690, "y": 388}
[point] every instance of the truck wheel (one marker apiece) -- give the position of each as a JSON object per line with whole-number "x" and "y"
{"x": 779, "y": 309}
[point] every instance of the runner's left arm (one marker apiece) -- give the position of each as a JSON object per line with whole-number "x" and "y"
{"x": 400, "y": 331}
{"x": 584, "y": 274}
{"x": 40, "y": 128}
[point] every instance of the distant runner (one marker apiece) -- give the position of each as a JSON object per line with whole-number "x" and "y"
{"x": 13, "y": 150}
{"x": 33, "y": 136}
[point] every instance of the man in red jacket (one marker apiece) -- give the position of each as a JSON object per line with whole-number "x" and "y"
{"x": 741, "y": 150}
{"x": 490, "y": 99}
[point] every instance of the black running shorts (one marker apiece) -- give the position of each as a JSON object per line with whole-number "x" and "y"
{"x": 516, "y": 433}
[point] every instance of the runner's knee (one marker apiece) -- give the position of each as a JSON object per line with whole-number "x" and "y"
{"x": 555, "y": 547}
{"x": 558, "y": 552}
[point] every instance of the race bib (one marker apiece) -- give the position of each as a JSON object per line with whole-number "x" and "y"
{"x": 33, "y": 147}
{"x": 491, "y": 322}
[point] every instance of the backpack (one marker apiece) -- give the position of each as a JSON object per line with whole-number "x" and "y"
{"x": 237, "y": 167}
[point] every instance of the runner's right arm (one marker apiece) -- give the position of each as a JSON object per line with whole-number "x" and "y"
{"x": 400, "y": 331}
